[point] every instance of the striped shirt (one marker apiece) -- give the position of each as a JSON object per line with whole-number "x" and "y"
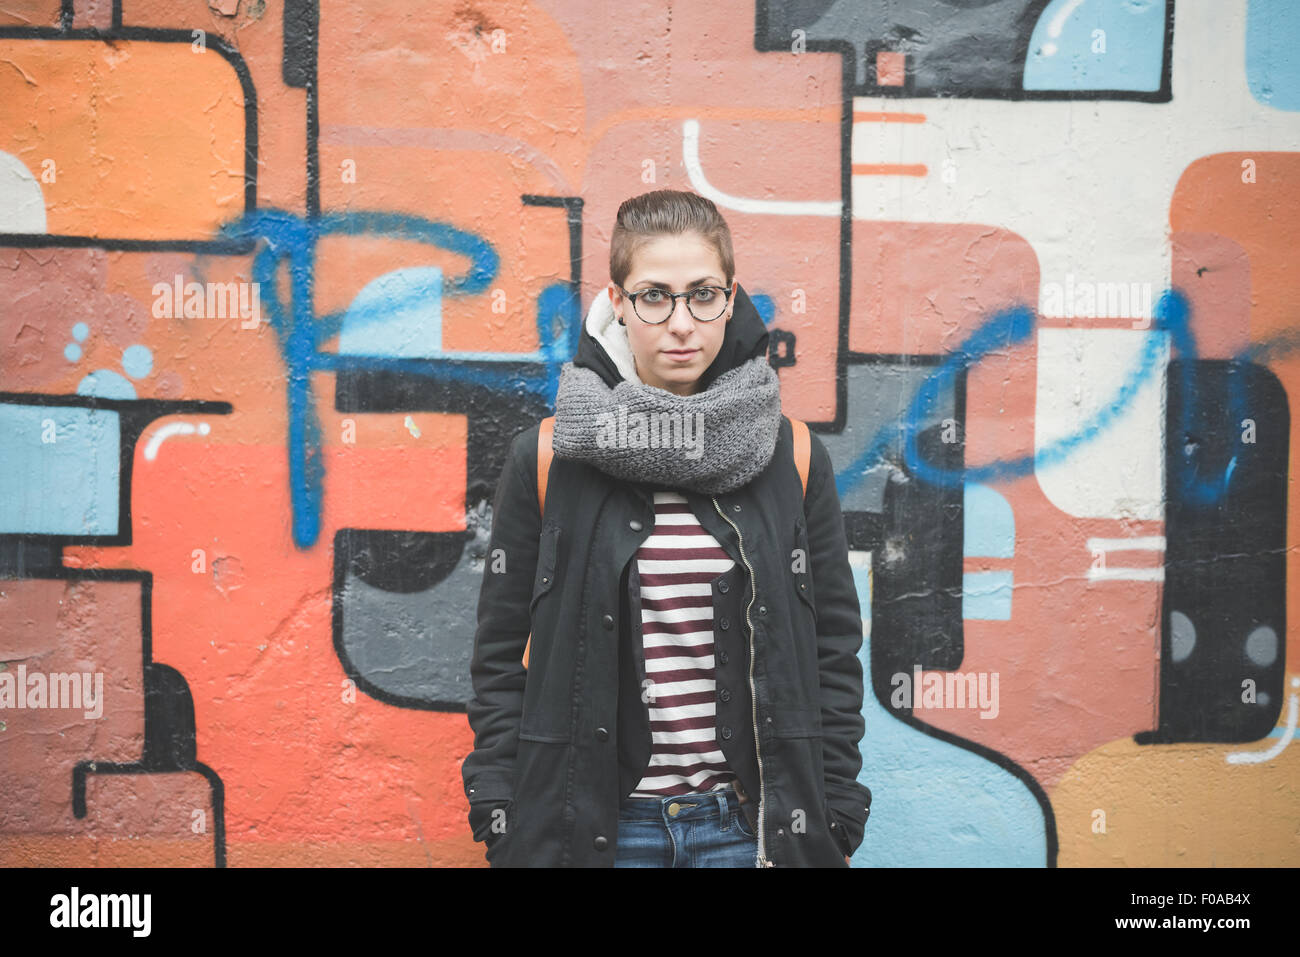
{"x": 677, "y": 565}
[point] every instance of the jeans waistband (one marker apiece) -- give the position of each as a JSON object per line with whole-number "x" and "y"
{"x": 693, "y": 805}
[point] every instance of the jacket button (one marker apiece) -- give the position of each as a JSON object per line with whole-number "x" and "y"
{"x": 602, "y": 734}
{"x": 724, "y": 624}
{"x": 736, "y": 507}
{"x": 634, "y": 525}
{"x": 723, "y": 586}
{"x": 608, "y": 621}
{"x": 722, "y": 656}
{"x": 600, "y": 843}
{"x": 724, "y": 694}
{"x": 762, "y": 609}
{"x": 726, "y": 732}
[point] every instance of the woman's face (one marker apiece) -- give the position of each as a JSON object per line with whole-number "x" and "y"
{"x": 673, "y": 354}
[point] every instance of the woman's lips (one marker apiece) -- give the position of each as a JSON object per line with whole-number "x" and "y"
{"x": 680, "y": 355}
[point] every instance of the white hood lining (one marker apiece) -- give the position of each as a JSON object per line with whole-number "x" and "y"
{"x": 603, "y": 326}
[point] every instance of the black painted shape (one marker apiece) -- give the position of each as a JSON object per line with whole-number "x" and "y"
{"x": 301, "y": 25}
{"x": 864, "y": 531}
{"x": 400, "y": 561}
{"x": 170, "y": 736}
{"x": 916, "y": 607}
{"x": 779, "y": 339}
{"x": 29, "y": 558}
{"x": 1225, "y": 559}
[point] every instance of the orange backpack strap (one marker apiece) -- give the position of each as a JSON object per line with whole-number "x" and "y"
{"x": 543, "y": 473}
{"x": 544, "y": 459}
{"x": 802, "y": 450}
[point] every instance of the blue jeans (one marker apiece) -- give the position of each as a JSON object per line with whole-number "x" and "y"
{"x": 702, "y": 829}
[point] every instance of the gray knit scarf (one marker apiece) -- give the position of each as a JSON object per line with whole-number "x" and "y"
{"x": 712, "y": 442}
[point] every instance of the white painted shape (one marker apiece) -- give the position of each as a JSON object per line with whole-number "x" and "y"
{"x": 1127, "y": 574}
{"x": 22, "y": 204}
{"x": 769, "y": 207}
{"x": 1119, "y": 473}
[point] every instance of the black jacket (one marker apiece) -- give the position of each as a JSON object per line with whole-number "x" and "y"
{"x": 558, "y": 745}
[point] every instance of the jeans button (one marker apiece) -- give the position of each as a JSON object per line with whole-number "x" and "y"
{"x": 608, "y": 622}
{"x": 600, "y": 843}
{"x": 634, "y": 525}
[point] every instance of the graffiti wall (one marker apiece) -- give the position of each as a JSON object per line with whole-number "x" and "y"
{"x": 282, "y": 278}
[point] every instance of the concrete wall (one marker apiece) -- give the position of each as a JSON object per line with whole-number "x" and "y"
{"x": 280, "y": 281}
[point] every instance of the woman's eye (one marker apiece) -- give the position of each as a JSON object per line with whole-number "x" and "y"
{"x": 652, "y": 295}
{"x": 704, "y": 295}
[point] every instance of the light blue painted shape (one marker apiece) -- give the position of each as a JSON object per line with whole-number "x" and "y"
{"x": 72, "y": 352}
{"x": 989, "y": 526}
{"x": 137, "y": 361}
{"x": 986, "y": 596}
{"x": 934, "y": 804}
{"x": 1134, "y": 46}
{"x": 106, "y": 384}
{"x": 65, "y": 487}
{"x": 1272, "y": 66}
{"x": 398, "y": 314}
{"x": 79, "y": 331}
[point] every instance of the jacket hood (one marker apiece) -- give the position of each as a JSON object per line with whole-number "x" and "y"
{"x": 604, "y": 348}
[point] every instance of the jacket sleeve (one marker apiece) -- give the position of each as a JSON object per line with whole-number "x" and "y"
{"x": 839, "y": 639}
{"x": 496, "y": 668}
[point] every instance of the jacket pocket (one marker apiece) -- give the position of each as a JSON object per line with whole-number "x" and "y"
{"x": 837, "y": 831}
{"x": 801, "y": 567}
{"x": 547, "y": 550}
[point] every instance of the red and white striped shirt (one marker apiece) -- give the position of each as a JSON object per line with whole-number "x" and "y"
{"x": 677, "y": 565}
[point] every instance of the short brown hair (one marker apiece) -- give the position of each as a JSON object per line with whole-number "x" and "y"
{"x": 667, "y": 212}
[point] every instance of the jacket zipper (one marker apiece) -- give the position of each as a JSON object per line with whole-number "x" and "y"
{"x": 753, "y": 695}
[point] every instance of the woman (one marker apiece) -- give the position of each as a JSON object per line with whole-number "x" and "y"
{"x": 692, "y": 695}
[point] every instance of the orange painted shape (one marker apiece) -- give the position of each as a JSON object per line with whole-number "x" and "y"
{"x": 891, "y": 68}
{"x": 146, "y": 139}
{"x": 889, "y": 169}
{"x": 867, "y": 116}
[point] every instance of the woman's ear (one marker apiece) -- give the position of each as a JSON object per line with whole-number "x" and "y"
{"x": 612, "y": 301}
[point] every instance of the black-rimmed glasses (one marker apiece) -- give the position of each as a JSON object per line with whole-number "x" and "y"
{"x": 653, "y": 306}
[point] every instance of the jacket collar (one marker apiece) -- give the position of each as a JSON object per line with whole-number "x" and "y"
{"x": 603, "y": 345}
